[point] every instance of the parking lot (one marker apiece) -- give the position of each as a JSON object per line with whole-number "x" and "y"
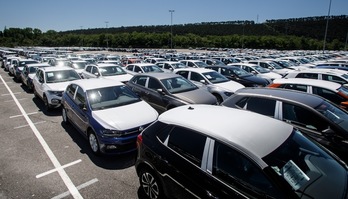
{"x": 43, "y": 158}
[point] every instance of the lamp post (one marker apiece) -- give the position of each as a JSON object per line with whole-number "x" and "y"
{"x": 107, "y": 41}
{"x": 171, "y": 28}
{"x": 327, "y": 25}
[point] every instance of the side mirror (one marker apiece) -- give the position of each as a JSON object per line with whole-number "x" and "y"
{"x": 82, "y": 106}
{"x": 203, "y": 81}
{"x": 160, "y": 91}
{"x": 41, "y": 80}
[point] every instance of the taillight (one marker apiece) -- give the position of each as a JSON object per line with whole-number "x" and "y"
{"x": 275, "y": 85}
{"x": 139, "y": 139}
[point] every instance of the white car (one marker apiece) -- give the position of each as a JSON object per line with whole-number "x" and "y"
{"x": 194, "y": 63}
{"x": 108, "y": 113}
{"x": 109, "y": 71}
{"x": 217, "y": 84}
{"x": 334, "y": 75}
{"x": 271, "y": 65}
{"x": 258, "y": 71}
{"x": 49, "y": 84}
{"x": 143, "y": 68}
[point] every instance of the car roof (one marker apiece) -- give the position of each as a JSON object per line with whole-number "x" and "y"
{"x": 232, "y": 126}
{"x": 321, "y": 71}
{"x": 92, "y": 83}
{"x": 56, "y": 68}
{"x": 282, "y": 94}
{"x": 38, "y": 65}
{"x": 159, "y": 75}
{"x": 198, "y": 70}
{"x": 105, "y": 64}
{"x": 310, "y": 82}
{"x": 142, "y": 64}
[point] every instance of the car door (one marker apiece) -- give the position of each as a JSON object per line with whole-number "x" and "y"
{"x": 154, "y": 96}
{"x": 39, "y": 82}
{"x": 80, "y": 110}
{"x": 94, "y": 72}
{"x": 86, "y": 74}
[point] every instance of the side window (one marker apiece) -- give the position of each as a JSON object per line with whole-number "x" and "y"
{"x": 329, "y": 95}
{"x": 307, "y": 75}
{"x": 303, "y": 117}
{"x": 167, "y": 66}
{"x": 95, "y": 70}
{"x": 267, "y": 108}
{"x": 130, "y": 67}
{"x": 140, "y": 80}
{"x": 238, "y": 171}
{"x": 196, "y": 77}
{"x": 70, "y": 90}
{"x": 180, "y": 140}
{"x": 225, "y": 72}
{"x": 190, "y": 64}
{"x": 333, "y": 79}
{"x": 297, "y": 87}
{"x": 88, "y": 68}
{"x": 137, "y": 69}
{"x": 183, "y": 73}
{"x": 154, "y": 84}
{"x": 80, "y": 97}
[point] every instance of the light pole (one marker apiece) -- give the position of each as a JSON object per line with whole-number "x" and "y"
{"x": 171, "y": 28}
{"x": 327, "y": 25}
{"x": 107, "y": 41}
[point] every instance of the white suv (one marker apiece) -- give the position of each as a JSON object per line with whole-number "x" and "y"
{"x": 333, "y": 75}
{"x": 50, "y": 82}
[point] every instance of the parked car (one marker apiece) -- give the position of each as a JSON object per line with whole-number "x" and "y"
{"x": 204, "y": 151}
{"x": 194, "y": 63}
{"x": 332, "y": 91}
{"x": 28, "y": 73}
{"x": 19, "y": 67}
{"x": 315, "y": 116}
{"x": 258, "y": 71}
{"x": 217, "y": 84}
{"x": 239, "y": 75}
{"x": 333, "y": 75}
{"x": 271, "y": 65}
{"x": 169, "y": 66}
{"x": 78, "y": 65}
{"x": 49, "y": 84}
{"x": 109, "y": 71}
{"x": 143, "y": 68}
{"x": 165, "y": 91}
{"x": 107, "y": 113}
{"x": 213, "y": 62}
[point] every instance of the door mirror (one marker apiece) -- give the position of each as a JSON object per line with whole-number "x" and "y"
{"x": 160, "y": 91}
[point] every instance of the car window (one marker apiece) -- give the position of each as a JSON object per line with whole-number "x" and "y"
{"x": 130, "y": 67}
{"x": 303, "y": 117}
{"x": 70, "y": 90}
{"x": 154, "y": 84}
{"x": 328, "y": 94}
{"x": 253, "y": 104}
{"x": 180, "y": 140}
{"x": 137, "y": 69}
{"x": 297, "y": 87}
{"x": 236, "y": 170}
{"x": 95, "y": 70}
{"x": 196, "y": 77}
{"x": 307, "y": 75}
{"x": 88, "y": 68}
{"x": 333, "y": 78}
{"x": 183, "y": 73}
{"x": 80, "y": 96}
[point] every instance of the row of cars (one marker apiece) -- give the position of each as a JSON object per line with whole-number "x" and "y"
{"x": 206, "y": 151}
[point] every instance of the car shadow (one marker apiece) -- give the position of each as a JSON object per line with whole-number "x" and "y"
{"x": 40, "y": 104}
{"x": 110, "y": 162}
{"x": 25, "y": 88}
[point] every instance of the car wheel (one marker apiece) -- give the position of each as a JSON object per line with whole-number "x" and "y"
{"x": 93, "y": 142}
{"x": 47, "y": 105}
{"x": 218, "y": 98}
{"x": 150, "y": 184}
{"x": 65, "y": 116}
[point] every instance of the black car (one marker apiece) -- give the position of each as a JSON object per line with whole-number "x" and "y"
{"x": 239, "y": 75}
{"x": 165, "y": 91}
{"x": 315, "y": 116}
{"x": 199, "y": 151}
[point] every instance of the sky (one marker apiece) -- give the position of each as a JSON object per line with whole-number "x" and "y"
{"x": 63, "y": 15}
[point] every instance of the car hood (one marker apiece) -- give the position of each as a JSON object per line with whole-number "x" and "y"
{"x": 255, "y": 79}
{"x": 229, "y": 86}
{"x": 270, "y": 75}
{"x": 121, "y": 78}
{"x": 60, "y": 86}
{"x": 197, "y": 96}
{"x": 126, "y": 117}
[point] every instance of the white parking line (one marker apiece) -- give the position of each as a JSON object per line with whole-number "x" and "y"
{"x": 56, "y": 169}
{"x": 11, "y": 92}
{"x": 14, "y": 116}
{"x": 22, "y": 126}
{"x": 67, "y": 181}
{"x": 86, "y": 184}
{"x": 17, "y": 99}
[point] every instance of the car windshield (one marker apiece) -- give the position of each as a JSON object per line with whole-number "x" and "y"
{"x": 307, "y": 168}
{"x": 61, "y": 76}
{"x": 152, "y": 68}
{"x": 261, "y": 69}
{"x": 215, "y": 77}
{"x": 343, "y": 90}
{"x": 240, "y": 72}
{"x": 22, "y": 63}
{"x": 178, "y": 65}
{"x": 33, "y": 70}
{"x": 275, "y": 65}
{"x": 178, "y": 85}
{"x": 79, "y": 65}
{"x": 111, "y": 71}
{"x": 110, "y": 97}
{"x": 334, "y": 114}
{"x": 201, "y": 64}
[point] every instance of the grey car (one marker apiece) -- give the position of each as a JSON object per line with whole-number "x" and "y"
{"x": 164, "y": 91}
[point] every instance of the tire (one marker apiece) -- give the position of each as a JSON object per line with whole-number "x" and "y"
{"x": 93, "y": 143}
{"x": 150, "y": 184}
{"x": 65, "y": 116}
{"x": 47, "y": 105}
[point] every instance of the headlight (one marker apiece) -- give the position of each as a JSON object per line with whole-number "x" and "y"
{"x": 111, "y": 133}
{"x": 228, "y": 93}
{"x": 59, "y": 93}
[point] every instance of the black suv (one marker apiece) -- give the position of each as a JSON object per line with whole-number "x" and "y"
{"x": 199, "y": 151}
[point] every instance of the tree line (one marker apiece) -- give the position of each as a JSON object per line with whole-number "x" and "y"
{"x": 284, "y": 34}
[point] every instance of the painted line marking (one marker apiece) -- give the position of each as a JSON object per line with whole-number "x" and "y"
{"x": 22, "y": 126}
{"x": 17, "y": 99}
{"x": 11, "y": 93}
{"x": 64, "y": 176}
{"x": 84, "y": 185}
{"x": 56, "y": 169}
{"x": 14, "y": 116}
